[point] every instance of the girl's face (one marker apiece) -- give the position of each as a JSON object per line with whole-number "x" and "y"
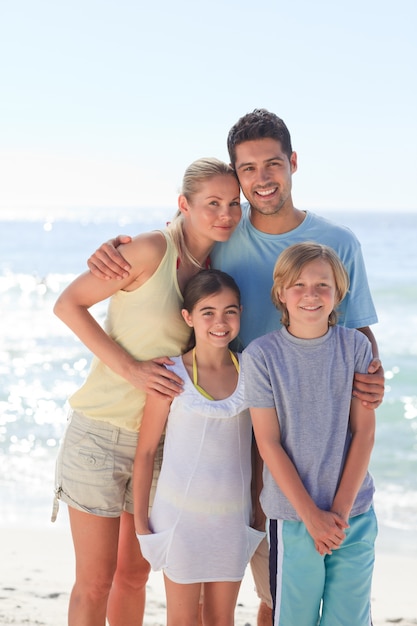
{"x": 213, "y": 212}
{"x": 310, "y": 299}
{"x": 215, "y": 318}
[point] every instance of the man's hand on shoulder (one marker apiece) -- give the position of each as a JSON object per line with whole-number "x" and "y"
{"x": 369, "y": 388}
{"x": 107, "y": 262}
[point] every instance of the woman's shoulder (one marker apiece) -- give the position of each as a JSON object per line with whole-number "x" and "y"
{"x": 144, "y": 253}
{"x": 146, "y": 245}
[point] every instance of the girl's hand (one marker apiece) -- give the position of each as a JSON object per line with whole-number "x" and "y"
{"x": 154, "y": 378}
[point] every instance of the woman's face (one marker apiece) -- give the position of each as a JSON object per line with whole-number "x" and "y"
{"x": 213, "y": 212}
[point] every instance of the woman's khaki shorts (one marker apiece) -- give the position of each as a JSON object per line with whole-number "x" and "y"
{"x": 94, "y": 467}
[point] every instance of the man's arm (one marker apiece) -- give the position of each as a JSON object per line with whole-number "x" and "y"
{"x": 107, "y": 262}
{"x": 369, "y": 388}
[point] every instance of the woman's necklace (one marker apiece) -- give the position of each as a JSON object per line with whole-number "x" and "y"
{"x": 195, "y": 373}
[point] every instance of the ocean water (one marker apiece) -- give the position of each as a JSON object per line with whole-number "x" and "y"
{"x": 42, "y": 363}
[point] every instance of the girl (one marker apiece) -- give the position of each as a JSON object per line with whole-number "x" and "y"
{"x": 316, "y": 441}
{"x": 201, "y": 512}
{"x": 94, "y": 467}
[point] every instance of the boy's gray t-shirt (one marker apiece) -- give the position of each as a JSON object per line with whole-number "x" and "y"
{"x": 309, "y": 382}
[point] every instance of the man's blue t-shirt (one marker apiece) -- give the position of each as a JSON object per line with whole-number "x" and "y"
{"x": 250, "y": 256}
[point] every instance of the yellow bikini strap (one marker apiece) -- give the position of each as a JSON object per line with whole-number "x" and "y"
{"x": 234, "y": 360}
{"x": 195, "y": 373}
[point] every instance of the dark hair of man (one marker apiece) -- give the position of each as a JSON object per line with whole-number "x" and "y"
{"x": 260, "y": 124}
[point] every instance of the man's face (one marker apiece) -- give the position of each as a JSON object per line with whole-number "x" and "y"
{"x": 264, "y": 173}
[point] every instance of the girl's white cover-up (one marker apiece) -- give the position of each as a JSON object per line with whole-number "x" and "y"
{"x": 202, "y": 508}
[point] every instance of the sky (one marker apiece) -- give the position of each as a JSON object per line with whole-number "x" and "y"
{"x": 104, "y": 103}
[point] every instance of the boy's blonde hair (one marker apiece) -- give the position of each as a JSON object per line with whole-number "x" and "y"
{"x": 289, "y": 266}
{"x": 197, "y": 173}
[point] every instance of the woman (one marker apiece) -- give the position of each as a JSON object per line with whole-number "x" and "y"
{"x": 143, "y": 324}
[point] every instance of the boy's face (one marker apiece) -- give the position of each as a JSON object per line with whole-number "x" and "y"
{"x": 310, "y": 299}
{"x": 265, "y": 173}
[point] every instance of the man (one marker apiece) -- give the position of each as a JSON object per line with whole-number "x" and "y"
{"x": 260, "y": 151}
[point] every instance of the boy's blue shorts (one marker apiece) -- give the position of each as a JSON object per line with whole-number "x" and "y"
{"x": 332, "y": 590}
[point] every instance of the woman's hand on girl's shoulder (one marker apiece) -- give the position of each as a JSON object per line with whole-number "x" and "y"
{"x": 154, "y": 378}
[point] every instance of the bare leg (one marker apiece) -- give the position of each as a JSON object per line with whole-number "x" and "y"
{"x": 95, "y": 543}
{"x": 260, "y": 572}
{"x": 219, "y": 603}
{"x": 264, "y": 615}
{"x": 200, "y": 606}
{"x": 182, "y": 603}
{"x": 126, "y": 605}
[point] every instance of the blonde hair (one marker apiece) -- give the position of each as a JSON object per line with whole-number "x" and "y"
{"x": 289, "y": 266}
{"x": 197, "y": 173}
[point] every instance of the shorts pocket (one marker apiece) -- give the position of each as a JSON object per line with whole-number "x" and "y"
{"x": 154, "y": 548}
{"x": 84, "y": 461}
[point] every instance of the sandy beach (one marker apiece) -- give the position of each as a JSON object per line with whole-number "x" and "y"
{"x": 36, "y": 576}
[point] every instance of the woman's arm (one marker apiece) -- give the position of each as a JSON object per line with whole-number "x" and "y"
{"x": 362, "y": 426}
{"x": 153, "y": 423}
{"x": 326, "y": 528}
{"x": 73, "y": 305}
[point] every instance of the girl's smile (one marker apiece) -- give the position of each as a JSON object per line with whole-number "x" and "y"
{"x": 215, "y": 318}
